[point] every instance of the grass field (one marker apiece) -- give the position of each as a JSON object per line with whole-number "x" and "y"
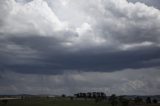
{"x": 57, "y": 102}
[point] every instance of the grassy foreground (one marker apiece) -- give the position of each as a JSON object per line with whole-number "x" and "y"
{"x": 57, "y": 102}
{"x": 52, "y": 102}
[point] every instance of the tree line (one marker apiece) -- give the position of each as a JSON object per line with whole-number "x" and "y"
{"x": 116, "y": 100}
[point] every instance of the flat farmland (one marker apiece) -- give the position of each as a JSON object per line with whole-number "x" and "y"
{"x": 59, "y": 102}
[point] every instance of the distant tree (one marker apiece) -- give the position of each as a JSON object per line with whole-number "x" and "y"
{"x": 155, "y": 101}
{"x": 98, "y": 94}
{"x": 84, "y": 95}
{"x": 22, "y": 97}
{"x": 113, "y": 100}
{"x": 148, "y": 100}
{"x": 102, "y": 96}
{"x": 80, "y": 95}
{"x": 63, "y": 95}
{"x": 94, "y": 94}
{"x": 89, "y": 95}
{"x": 76, "y": 95}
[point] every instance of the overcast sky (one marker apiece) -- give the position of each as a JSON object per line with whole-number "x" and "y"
{"x": 69, "y": 46}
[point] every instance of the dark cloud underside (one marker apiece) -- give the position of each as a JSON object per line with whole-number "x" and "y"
{"x": 71, "y": 41}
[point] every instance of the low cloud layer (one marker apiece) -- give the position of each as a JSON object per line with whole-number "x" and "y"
{"x": 129, "y": 82}
{"x": 53, "y": 37}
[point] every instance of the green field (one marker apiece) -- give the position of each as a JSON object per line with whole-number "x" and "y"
{"x": 52, "y": 102}
{"x": 58, "y": 102}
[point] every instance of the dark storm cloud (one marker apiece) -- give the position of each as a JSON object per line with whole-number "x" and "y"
{"x": 107, "y": 36}
{"x": 53, "y": 58}
{"x": 69, "y": 46}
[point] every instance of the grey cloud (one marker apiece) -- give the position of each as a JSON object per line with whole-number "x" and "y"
{"x": 154, "y": 3}
{"x": 44, "y": 45}
{"x": 23, "y": 1}
{"x": 51, "y": 57}
{"x": 38, "y": 38}
{"x": 130, "y": 23}
{"x": 129, "y": 81}
{"x": 4, "y": 11}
